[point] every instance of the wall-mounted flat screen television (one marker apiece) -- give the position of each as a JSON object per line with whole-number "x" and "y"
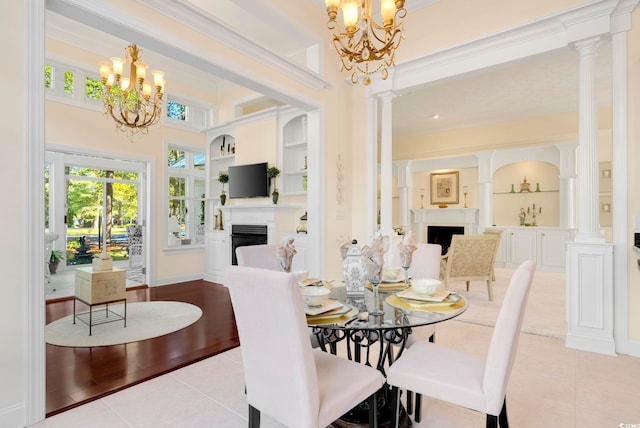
{"x": 248, "y": 181}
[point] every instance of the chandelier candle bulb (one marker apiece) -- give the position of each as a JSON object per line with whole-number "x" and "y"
{"x": 387, "y": 11}
{"x": 350, "y": 15}
{"x": 141, "y": 71}
{"x": 118, "y": 65}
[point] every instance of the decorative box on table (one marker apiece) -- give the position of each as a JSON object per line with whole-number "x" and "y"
{"x": 100, "y": 286}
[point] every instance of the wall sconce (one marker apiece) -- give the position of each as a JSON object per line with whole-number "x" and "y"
{"x": 606, "y": 173}
{"x": 605, "y": 208}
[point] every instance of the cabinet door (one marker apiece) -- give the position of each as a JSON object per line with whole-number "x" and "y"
{"x": 553, "y": 244}
{"x": 217, "y": 258}
{"x": 501, "y": 255}
{"x": 522, "y": 246}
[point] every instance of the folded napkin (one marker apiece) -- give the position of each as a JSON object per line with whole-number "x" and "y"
{"x": 374, "y": 257}
{"x": 407, "y": 246}
{"x": 285, "y": 254}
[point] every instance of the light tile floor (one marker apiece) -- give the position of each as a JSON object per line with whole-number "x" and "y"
{"x": 550, "y": 386}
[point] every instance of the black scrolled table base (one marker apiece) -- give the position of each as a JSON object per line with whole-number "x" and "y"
{"x": 359, "y": 340}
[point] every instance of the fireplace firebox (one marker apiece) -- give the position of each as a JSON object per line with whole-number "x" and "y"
{"x": 442, "y": 235}
{"x": 246, "y": 234}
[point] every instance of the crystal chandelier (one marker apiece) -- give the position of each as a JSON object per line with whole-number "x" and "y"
{"x": 365, "y": 46}
{"x": 128, "y": 99}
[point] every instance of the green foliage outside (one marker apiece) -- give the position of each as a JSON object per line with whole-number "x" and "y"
{"x": 68, "y": 82}
{"x": 93, "y": 88}
{"x": 48, "y": 76}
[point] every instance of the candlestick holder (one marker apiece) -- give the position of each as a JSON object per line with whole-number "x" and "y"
{"x": 466, "y": 191}
{"x": 421, "y": 198}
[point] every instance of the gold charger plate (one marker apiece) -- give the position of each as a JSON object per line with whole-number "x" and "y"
{"x": 331, "y": 318}
{"x": 446, "y": 305}
{"x": 387, "y": 286}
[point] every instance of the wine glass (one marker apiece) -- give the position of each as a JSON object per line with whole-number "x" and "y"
{"x": 373, "y": 275}
{"x": 405, "y": 260}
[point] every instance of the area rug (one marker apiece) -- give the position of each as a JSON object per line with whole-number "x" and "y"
{"x": 545, "y": 313}
{"x": 145, "y": 320}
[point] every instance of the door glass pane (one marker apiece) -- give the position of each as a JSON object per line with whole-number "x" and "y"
{"x": 98, "y": 213}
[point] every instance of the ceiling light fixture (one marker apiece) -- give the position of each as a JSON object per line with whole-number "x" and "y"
{"x": 364, "y": 46}
{"x": 128, "y": 99}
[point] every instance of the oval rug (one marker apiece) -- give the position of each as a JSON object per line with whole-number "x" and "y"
{"x": 145, "y": 320}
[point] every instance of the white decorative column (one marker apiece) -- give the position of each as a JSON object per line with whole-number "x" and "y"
{"x": 386, "y": 154}
{"x": 568, "y": 175}
{"x": 372, "y": 166}
{"x": 405, "y": 191}
{"x": 621, "y": 23}
{"x": 485, "y": 189}
{"x": 589, "y": 258}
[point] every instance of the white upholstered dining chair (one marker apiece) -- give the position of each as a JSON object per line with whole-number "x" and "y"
{"x": 468, "y": 380}
{"x": 264, "y": 256}
{"x": 285, "y": 378}
{"x": 425, "y": 263}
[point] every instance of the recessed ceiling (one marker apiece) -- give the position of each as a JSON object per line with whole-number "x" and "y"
{"x": 537, "y": 86}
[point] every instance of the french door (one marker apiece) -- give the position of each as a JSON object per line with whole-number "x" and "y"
{"x": 95, "y": 206}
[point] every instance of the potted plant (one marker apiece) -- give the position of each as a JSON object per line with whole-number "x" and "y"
{"x": 273, "y": 173}
{"x": 54, "y": 260}
{"x": 223, "y": 177}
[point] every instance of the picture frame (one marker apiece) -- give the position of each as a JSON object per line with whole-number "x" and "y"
{"x": 445, "y": 188}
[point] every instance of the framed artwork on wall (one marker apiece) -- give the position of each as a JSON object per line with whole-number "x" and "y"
{"x": 444, "y": 188}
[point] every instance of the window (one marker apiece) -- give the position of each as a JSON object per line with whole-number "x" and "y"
{"x": 176, "y": 110}
{"x": 84, "y": 88}
{"x": 186, "y": 196}
{"x": 188, "y": 113}
{"x": 93, "y": 89}
{"x": 52, "y": 82}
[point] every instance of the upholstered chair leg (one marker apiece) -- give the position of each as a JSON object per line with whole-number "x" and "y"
{"x": 395, "y": 406}
{"x": 502, "y": 418}
{"x": 490, "y": 290}
{"x": 492, "y": 421}
{"x": 254, "y": 417}
{"x": 373, "y": 410}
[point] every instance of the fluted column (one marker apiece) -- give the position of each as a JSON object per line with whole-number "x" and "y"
{"x": 568, "y": 176}
{"x": 405, "y": 192}
{"x": 386, "y": 154}
{"x": 588, "y": 214}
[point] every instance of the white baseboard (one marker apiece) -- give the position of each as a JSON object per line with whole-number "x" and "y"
{"x": 590, "y": 344}
{"x": 176, "y": 279}
{"x": 13, "y": 417}
{"x": 634, "y": 348}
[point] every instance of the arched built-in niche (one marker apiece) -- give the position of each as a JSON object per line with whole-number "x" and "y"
{"x": 541, "y": 204}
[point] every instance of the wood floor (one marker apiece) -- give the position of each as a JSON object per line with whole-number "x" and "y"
{"x": 78, "y": 375}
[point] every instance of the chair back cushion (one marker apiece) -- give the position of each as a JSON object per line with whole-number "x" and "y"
{"x": 425, "y": 262}
{"x": 264, "y": 256}
{"x": 504, "y": 341}
{"x": 471, "y": 256}
{"x": 280, "y": 371}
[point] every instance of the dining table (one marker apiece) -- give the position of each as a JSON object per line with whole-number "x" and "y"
{"x": 349, "y": 328}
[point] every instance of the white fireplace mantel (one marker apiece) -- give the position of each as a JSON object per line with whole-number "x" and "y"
{"x": 420, "y": 218}
{"x": 279, "y": 219}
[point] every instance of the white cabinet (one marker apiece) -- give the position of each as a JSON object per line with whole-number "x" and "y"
{"x": 546, "y": 246}
{"x": 553, "y": 244}
{"x": 522, "y": 245}
{"x": 217, "y": 256}
{"x": 293, "y": 142}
